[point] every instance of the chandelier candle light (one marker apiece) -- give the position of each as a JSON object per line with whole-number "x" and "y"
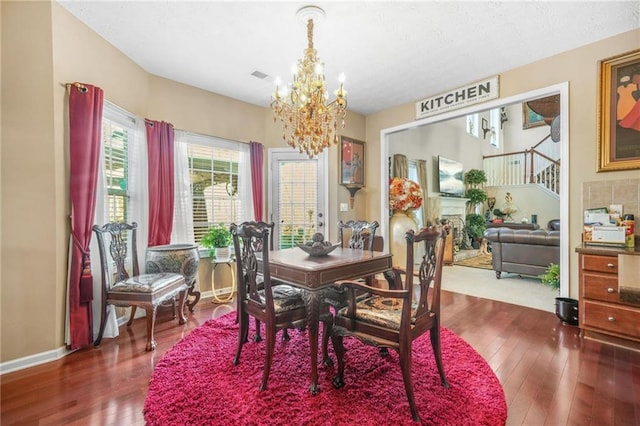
{"x": 309, "y": 123}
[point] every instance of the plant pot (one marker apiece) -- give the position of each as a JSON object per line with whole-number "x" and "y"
{"x": 222, "y": 253}
{"x": 178, "y": 258}
{"x": 567, "y": 310}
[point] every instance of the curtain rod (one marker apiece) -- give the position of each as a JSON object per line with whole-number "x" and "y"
{"x": 81, "y": 87}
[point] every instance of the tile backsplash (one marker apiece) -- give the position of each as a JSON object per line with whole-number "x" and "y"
{"x": 603, "y": 193}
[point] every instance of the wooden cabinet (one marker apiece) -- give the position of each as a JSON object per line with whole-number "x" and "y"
{"x": 602, "y": 313}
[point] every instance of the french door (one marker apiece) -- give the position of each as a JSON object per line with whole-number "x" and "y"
{"x": 297, "y": 196}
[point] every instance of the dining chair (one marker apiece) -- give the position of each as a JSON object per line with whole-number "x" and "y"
{"x": 258, "y": 248}
{"x": 394, "y": 318}
{"x": 132, "y": 289}
{"x": 362, "y": 236}
{"x": 278, "y": 307}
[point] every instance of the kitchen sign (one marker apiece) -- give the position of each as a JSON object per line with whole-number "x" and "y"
{"x": 480, "y": 91}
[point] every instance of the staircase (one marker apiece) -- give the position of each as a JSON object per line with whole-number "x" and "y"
{"x": 535, "y": 165}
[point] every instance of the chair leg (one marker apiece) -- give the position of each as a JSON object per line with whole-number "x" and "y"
{"x": 104, "y": 316}
{"x": 257, "y": 338}
{"x": 434, "y": 335}
{"x": 270, "y": 332}
{"x": 182, "y": 298}
{"x": 243, "y": 331}
{"x": 285, "y": 335}
{"x": 151, "y": 322}
{"x": 326, "y": 332}
{"x": 133, "y": 313}
{"x": 338, "y": 347}
{"x": 405, "y": 366}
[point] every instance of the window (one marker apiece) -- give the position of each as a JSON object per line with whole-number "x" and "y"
{"x": 117, "y": 130}
{"x": 494, "y": 120}
{"x": 472, "y": 125}
{"x": 217, "y": 171}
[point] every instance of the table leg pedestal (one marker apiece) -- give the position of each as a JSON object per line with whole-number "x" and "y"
{"x": 314, "y": 304}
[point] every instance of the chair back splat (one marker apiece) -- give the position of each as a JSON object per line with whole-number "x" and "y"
{"x": 362, "y": 234}
{"x": 395, "y": 318}
{"x": 125, "y": 289}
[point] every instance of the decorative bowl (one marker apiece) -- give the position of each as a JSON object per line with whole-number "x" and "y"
{"x": 322, "y": 249}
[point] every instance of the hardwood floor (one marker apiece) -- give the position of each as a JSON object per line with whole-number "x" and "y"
{"x": 550, "y": 375}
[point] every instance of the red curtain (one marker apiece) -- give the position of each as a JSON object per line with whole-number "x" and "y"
{"x": 85, "y": 123}
{"x": 255, "y": 155}
{"x": 160, "y": 152}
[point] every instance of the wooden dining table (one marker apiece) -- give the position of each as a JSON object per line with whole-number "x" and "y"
{"x": 314, "y": 274}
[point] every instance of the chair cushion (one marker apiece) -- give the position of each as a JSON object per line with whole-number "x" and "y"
{"x": 147, "y": 283}
{"x": 285, "y": 298}
{"x": 382, "y": 311}
{"x": 337, "y": 296}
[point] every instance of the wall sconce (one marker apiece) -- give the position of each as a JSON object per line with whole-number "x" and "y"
{"x": 486, "y": 129}
{"x": 352, "y": 188}
{"x": 503, "y": 117}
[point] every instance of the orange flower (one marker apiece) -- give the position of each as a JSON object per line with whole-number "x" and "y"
{"x": 404, "y": 194}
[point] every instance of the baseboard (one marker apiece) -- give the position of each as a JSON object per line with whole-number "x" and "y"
{"x": 48, "y": 356}
{"x": 33, "y": 360}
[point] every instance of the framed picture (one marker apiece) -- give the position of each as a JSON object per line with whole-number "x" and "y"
{"x": 530, "y": 118}
{"x": 619, "y": 113}
{"x": 351, "y": 161}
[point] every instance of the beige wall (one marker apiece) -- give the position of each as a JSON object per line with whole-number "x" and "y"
{"x": 43, "y": 47}
{"x": 580, "y": 68}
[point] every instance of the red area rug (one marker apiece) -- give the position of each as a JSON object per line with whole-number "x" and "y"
{"x": 195, "y": 383}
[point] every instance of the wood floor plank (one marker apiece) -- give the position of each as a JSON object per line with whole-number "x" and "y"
{"x": 551, "y": 376}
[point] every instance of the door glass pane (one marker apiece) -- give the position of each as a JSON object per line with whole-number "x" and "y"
{"x": 298, "y": 196}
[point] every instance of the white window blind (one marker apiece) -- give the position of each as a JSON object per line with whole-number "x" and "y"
{"x": 117, "y": 129}
{"x": 216, "y": 190}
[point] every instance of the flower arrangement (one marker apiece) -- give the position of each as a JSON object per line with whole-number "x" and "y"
{"x": 404, "y": 194}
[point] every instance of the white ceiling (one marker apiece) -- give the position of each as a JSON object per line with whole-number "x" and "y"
{"x": 391, "y": 52}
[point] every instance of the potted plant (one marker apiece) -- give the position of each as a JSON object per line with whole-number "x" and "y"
{"x": 474, "y": 179}
{"x": 475, "y": 226}
{"x": 217, "y": 239}
{"x": 551, "y": 276}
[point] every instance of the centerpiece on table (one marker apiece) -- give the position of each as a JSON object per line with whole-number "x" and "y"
{"x": 405, "y": 196}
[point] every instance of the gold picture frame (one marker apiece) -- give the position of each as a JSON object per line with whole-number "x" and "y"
{"x": 619, "y": 113}
{"x": 530, "y": 118}
{"x": 351, "y": 162}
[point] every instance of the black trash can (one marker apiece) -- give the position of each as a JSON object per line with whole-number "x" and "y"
{"x": 567, "y": 310}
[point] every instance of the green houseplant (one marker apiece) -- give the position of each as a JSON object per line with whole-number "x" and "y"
{"x": 551, "y": 276}
{"x": 474, "y": 180}
{"x": 475, "y": 226}
{"x": 218, "y": 236}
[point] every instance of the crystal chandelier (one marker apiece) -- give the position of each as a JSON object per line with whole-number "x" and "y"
{"x": 309, "y": 122}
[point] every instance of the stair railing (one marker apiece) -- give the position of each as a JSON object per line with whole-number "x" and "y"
{"x": 523, "y": 167}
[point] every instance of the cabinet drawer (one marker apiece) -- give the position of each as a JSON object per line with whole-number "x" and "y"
{"x": 616, "y": 319}
{"x": 601, "y": 287}
{"x": 607, "y": 264}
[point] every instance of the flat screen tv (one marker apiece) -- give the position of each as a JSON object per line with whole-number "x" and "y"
{"x": 450, "y": 177}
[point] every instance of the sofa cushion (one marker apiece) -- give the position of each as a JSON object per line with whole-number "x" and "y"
{"x": 520, "y": 251}
{"x": 523, "y": 236}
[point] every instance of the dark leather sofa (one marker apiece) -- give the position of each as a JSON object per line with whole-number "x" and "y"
{"x": 523, "y": 252}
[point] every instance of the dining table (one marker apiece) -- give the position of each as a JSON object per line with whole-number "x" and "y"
{"x": 313, "y": 274}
